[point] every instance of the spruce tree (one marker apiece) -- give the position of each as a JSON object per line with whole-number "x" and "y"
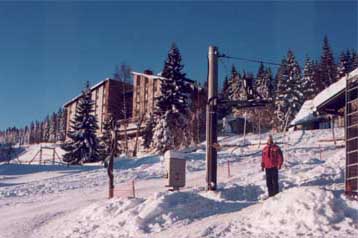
{"x": 53, "y": 128}
{"x": 349, "y": 61}
{"x": 309, "y": 83}
{"x": 289, "y": 95}
{"x": 172, "y": 111}
{"x": 264, "y": 86}
{"x": 83, "y": 145}
{"x": 344, "y": 65}
{"x": 235, "y": 85}
{"x": 148, "y": 132}
{"x": 109, "y": 125}
{"x": 61, "y": 125}
{"x": 45, "y": 126}
{"x": 354, "y": 60}
{"x": 38, "y": 132}
{"x": 327, "y": 67}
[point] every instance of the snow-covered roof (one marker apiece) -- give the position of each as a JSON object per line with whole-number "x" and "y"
{"x": 149, "y": 76}
{"x": 158, "y": 76}
{"x": 308, "y": 111}
{"x": 92, "y": 88}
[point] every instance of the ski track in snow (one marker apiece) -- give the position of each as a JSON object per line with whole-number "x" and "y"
{"x": 54, "y": 201}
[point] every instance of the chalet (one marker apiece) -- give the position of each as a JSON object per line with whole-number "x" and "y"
{"x": 109, "y": 97}
{"x": 340, "y": 100}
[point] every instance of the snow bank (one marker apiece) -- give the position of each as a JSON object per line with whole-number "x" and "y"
{"x": 71, "y": 202}
{"x": 304, "y": 211}
{"x": 140, "y": 217}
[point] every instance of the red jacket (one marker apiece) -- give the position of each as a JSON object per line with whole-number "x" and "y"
{"x": 271, "y": 157}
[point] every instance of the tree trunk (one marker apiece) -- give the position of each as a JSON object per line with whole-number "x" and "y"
{"x": 110, "y": 176}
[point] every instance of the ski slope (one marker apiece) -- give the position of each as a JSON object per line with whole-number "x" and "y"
{"x": 58, "y": 201}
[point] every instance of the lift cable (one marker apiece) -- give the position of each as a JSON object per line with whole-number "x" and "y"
{"x": 249, "y": 60}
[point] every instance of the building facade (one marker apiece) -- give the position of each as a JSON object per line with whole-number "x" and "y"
{"x": 109, "y": 97}
{"x": 146, "y": 87}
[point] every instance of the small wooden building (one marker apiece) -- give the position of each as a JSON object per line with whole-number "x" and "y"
{"x": 344, "y": 100}
{"x": 109, "y": 97}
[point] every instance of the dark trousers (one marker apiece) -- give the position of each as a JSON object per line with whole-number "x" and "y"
{"x": 272, "y": 181}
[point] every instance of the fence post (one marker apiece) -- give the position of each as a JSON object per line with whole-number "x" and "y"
{"x": 320, "y": 152}
{"x": 40, "y": 155}
{"x": 228, "y": 169}
{"x": 53, "y": 156}
{"x": 133, "y": 188}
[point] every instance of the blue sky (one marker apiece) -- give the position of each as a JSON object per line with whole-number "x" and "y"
{"x": 49, "y": 50}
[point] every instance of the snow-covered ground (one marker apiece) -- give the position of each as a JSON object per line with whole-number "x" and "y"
{"x": 59, "y": 201}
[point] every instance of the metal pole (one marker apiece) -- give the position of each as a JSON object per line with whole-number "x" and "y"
{"x": 211, "y": 119}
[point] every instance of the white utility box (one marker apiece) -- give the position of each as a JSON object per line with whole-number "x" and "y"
{"x": 175, "y": 165}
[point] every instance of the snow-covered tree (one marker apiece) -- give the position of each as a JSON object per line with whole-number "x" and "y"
{"x": 309, "y": 82}
{"x": 45, "y": 126}
{"x": 172, "y": 105}
{"x": 234, "y": 85}
{"x": 148, "y": 131}
{"x": 354, "y": 59}
{"x": 61, "y": 125}
{"x": 289, "y": 95}
{"x": 264, "y": 86}
{"x": 109, "y": 125}
{"x": 83, "y": 145}
{"x": 53, "y": 128}
{"x": 344, "y": 65}
{"x": 224, "y": 109}
{"x": 327, "y": 66}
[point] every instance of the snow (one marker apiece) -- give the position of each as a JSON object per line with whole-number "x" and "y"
{"x": 306, "y": 113}
{"x": 149, "y": 76}
{"x": 308, "y": 110}
{"x": 59, "y": 201}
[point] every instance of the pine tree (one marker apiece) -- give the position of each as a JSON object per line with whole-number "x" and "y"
{"x": 148, "y": 132}
{"x": 83, "y": 145}
{"x": 53, "y": 128}
{"x": 344, "y": 65}
{"x": 354, "y": 59}
{"x": 349, "y": 60}
{"x": 264, "y": 86}
{"x": 226, "y": 85}
{"x": 163, "y": 137}
{"x": 289, "y": 95}
{"x": 224, "y": 108}
{"x": 45, "y": 126}
{"x": 61, "y": 125}
{"x": 235, "y": 85}
{"x": 327, "y": 65}
{"x": 38, "y": 132}
{"x": 109, "y": 125}
{"x": 172, "y": 110}
{"x": 309, "y": 82}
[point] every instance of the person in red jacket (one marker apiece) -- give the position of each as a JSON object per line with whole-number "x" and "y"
{"x": 272, "y": 160}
